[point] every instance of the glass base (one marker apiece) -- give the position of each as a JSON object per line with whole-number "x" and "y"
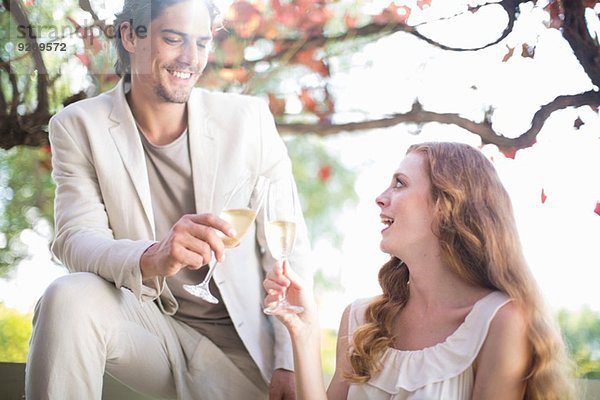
{"x": 283, "y": 307}
{"x": 201, "y": 290}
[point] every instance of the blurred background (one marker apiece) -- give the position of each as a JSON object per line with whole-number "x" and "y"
{"x": 352, "y": 84}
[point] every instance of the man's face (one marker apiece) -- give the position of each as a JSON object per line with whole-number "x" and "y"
{"x": 168, "y": 60}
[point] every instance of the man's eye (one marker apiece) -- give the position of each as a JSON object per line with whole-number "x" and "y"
{"x": 172, "y": 40}
{"x": 205, "y": 45}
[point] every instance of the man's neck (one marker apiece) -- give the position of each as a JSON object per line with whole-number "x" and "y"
{"x": 160, "y": 122}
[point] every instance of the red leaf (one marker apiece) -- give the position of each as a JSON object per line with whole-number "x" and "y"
{"x": 597, "y": 209}
{"x": 270, "y": 30}
{"x": 286, "y": 14}
{"x": 402, "y": 14}
{"x": 543, "y": 196}
{"x": 510, "y": 152}
{"x": 392, "y": 14}
{"x": 85, "y": 60}
{"x": 231, "y": 50}
{"x": 244, "y": 18}
{"x": 276, "y": 5}
{"x": 527, "y": 51}
{"x": 350, "y": 21}
{"x": 324, "y": 173}
{"x": 554, "y": 8}
{"x": 314, "y": 20}
{"x": 92, "y": 43}
{"x": 307, "y": 100}
{"x": 276, "y": 105}
{"x": 423, "y": 4}
{"x": 307, "y": 58}
{"x": 75, "y": 23}
{"x": 234, "y": 74}
{"x": 509, "y": 54}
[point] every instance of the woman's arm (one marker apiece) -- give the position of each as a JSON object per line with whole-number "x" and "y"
{"x": 503, "y": 361}
{"x": 338, "y": 388}
{"x": 303, "y": 328}
{"x": 307, "y": 365}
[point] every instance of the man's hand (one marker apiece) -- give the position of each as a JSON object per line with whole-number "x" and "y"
{"x": 282, "y": 385}
{"x": 188, "y": 244}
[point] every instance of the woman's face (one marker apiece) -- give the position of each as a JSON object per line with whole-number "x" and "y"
{"x": 407, "y": 209}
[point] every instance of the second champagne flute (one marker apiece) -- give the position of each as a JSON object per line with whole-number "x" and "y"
{"x": 241, "y": 207}
{"x": 281, "y": 210}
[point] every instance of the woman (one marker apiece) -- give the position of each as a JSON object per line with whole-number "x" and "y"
{"x": 460, "y": 316}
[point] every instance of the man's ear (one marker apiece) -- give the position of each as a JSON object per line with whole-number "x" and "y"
{"x": 128, "y": 38}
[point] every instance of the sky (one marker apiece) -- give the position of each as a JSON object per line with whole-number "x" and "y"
{"x": 560, "y": 236}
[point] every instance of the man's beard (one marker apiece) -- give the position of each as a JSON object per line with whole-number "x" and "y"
{"x": 178, "y": 96}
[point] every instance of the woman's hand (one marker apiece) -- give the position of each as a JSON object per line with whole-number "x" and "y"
{"x": 282, "y": 280}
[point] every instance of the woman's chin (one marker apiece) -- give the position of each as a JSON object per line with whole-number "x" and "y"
{"x": 384, "y": 248}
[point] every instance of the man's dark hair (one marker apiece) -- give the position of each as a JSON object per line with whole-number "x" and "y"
{"x": 140, "y": 13}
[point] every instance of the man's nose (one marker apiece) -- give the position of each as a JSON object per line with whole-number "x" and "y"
{"x": 190, "y": 54}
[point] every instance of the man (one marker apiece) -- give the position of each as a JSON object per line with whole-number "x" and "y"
{"x": 141, "y": 173}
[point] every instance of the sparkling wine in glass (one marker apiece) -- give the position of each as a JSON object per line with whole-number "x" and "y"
{"x": 280, "y": 231}
{"x": 241, "y": 207}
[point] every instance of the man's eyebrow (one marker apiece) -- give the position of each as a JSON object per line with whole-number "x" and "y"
{"x": 183, "y": 34}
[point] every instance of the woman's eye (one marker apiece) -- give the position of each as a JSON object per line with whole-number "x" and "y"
{"x": 398, "y": 183}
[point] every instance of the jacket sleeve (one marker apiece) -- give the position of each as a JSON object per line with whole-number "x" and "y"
{"x": 84, "y": 241}
{"x": 275, "y": 165}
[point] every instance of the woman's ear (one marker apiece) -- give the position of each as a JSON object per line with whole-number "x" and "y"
{"x": 128, "y": 38}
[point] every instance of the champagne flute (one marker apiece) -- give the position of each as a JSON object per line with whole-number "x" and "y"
{"x": 241, "y": 207}
{"x": 280, "y": 231}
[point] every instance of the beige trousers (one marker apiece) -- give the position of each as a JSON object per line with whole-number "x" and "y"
{"x": 84, "y": 326}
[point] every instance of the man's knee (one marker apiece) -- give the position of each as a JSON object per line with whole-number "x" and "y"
{"x": 75, "y": 295}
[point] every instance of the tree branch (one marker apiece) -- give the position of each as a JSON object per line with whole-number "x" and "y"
{"x": 19, "y": 15}
{"x": 576, "y": 33}
{"x": 373, "y": 31}
{"x": 3, "y": 104}
{"x": 482, "y": 129}
{"x": 15, "y": 90}
{"x": 508, "y": 5}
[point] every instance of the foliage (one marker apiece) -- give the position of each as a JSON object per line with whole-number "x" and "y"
{"x": 291, "y": 51}
{"x": 324, "y": 183}
{"x": 26, "y": 195}
{"x": 328, "y": 349}
{"x": 15, "y": 331}
{"x": 582, "y": 333}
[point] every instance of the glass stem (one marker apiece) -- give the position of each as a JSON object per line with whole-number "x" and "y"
{"x": 283, "y": 298}
{"x": 209, "y": 274}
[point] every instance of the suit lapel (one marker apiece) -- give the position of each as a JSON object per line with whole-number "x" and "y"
{"x": 203, "y": 154}
{"x": 126, "y": 137}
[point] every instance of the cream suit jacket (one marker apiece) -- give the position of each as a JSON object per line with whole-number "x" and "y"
{"x": 103, "y": 209}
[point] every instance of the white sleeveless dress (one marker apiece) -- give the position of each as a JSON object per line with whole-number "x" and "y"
{"x": 440, "y": 372}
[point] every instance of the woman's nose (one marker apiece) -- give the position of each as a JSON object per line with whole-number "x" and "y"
{"x": 382, "y": 199}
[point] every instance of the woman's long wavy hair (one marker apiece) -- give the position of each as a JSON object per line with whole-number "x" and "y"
{"x": 476, "y": 228}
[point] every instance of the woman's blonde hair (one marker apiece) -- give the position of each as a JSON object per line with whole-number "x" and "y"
{"x": 475, "y": 224}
